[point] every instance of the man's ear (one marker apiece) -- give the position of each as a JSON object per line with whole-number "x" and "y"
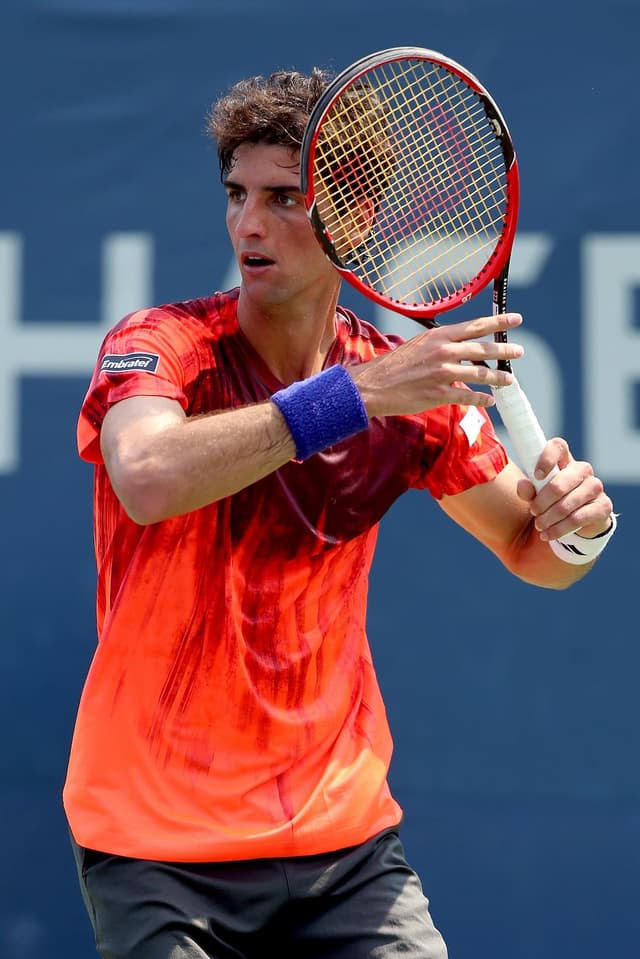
{"x": 362, "y": 219}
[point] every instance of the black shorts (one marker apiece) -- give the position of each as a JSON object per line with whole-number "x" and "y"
{"x": 364, "y": 902}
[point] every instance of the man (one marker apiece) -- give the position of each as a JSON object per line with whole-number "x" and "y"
{"x": 227, "y": 788}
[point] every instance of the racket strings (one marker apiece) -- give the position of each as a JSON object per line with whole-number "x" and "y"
{"x": 440, "y": 188}
{"x": 438, "y": 169}
{"x": 421, "y": 149}
{"x": 415, "y": 141}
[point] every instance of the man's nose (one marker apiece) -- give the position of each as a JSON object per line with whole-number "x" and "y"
{"x": 251, "y": 221}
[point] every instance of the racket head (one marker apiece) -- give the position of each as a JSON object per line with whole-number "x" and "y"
{"x": 411, "y": 181}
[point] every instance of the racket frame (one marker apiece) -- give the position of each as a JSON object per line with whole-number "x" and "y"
{"x": 498, "y": 259}
{"x": 511, "y": 401}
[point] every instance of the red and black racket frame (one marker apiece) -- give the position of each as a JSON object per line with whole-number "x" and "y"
{"x": 497, "y": 266}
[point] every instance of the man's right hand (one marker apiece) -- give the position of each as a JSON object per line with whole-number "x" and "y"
{"x": 427, "y": 370}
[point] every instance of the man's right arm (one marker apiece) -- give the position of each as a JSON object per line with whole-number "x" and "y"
{"x": 162, "y": 463}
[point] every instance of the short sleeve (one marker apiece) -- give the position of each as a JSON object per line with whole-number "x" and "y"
{"x": 147, "y": 354}
{"x": 462, "y": 450}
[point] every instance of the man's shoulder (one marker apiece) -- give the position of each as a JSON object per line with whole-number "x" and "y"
{"x": 213, "y": 313}
{"x": 365, "y": 337}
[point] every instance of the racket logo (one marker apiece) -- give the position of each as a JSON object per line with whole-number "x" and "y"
{"x": 431, "y": 193}
{"x": 453, "y": 148}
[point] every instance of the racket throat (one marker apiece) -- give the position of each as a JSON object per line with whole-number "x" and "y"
{"x": 503, "y": 365}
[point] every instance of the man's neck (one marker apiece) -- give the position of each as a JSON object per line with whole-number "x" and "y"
{"x": 293, "y": 343}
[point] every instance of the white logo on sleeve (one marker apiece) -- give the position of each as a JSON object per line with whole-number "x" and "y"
{"x": 471, "y": 424}
{"x": 130, "y": 363}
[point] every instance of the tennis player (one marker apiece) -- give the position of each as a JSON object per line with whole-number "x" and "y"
{"x": 227, "y": 789}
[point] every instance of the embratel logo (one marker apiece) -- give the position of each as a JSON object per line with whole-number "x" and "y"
{"x": 130, "y": 363}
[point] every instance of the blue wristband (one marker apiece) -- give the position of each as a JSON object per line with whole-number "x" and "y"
{"x": 322, "y": 410}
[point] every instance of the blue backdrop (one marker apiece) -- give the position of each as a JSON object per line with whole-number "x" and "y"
{"x": 514, "y": 710}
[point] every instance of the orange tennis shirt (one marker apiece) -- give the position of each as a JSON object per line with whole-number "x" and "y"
{"x": 231, "y": 709}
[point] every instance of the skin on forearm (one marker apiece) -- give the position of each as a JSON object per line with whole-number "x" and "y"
{"x": 531, "y": 560}
{"x": 163, "y": 464}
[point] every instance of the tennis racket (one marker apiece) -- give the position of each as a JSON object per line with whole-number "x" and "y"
{"x": 411, "y": 185}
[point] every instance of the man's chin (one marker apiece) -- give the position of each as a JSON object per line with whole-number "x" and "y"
{"x": 263, "y": 295}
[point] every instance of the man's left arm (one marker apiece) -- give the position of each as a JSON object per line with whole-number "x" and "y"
{"x": 518, "y": 524}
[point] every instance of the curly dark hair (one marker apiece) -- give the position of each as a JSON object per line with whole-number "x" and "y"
{"x": 272, "y": 109}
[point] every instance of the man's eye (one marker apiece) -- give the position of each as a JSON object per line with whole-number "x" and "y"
{"x": 284, "y": 199}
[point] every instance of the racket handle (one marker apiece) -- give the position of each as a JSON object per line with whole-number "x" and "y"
{"x": 523, "y": 428}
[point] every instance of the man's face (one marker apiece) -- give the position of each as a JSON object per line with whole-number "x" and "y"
{"x": 278, "y": 255}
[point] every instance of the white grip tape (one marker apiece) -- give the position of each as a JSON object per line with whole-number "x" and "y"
{"x": 523, "y": 428}
{"x": 528, "y": 440}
